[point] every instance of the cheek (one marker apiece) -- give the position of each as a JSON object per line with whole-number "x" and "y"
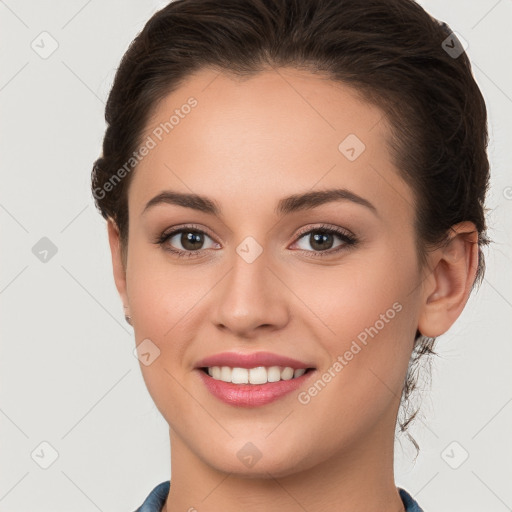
{"x": 161, "y": 294}
{"x": 369, "y": 342}
{"x": 352, "y": 296}
{"x": 366, "y": 313}
{"x": 167, "y": 305}
{"x": 162, "y": 302}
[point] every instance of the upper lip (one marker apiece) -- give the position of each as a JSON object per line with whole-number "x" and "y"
{"x": 253, "y": 360}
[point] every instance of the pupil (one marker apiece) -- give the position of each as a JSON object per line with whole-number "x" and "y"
{"x": 320, "y": 239}
{"x": 195, "y": 239}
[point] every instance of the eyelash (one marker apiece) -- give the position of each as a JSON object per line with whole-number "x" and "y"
{"x": 349, "y": 240}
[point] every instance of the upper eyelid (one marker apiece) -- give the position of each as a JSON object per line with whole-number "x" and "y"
{"x": 189, "y": 227}
{"x": 326, "y": 227}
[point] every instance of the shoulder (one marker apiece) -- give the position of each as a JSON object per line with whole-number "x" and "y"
{"x": 156, "y": 498}
{"x": 410, "y": 504}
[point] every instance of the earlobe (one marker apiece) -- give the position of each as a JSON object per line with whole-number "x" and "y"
{"x": 118, "y": 266}
{"x": 452, "y": 274}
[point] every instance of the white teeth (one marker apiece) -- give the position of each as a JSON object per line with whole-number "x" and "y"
{"x": 239, "y": 376}
{"x": 225, "y": 374}
{"x": 274, "y": 374}
{"x": 258, "y": 375}
{"x": 287, "y": 373}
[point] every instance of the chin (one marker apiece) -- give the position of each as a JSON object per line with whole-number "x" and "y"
{"x": 265, "y": 463}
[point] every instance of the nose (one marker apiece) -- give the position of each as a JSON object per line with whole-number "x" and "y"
{"x": 250, "y": 299}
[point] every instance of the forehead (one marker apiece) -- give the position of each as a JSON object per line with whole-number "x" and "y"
{"x": 284, "y": 103}
{"x": 280, "y": 130}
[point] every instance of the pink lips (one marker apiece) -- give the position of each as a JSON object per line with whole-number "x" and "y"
{"x": 251, "y": 395}
{"x": 241, "y": 360}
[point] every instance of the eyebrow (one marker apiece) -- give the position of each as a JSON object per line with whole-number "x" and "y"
{"x": 293, "y": 203}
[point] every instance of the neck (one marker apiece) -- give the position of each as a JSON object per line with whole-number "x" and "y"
{"x": 361, "y": 478}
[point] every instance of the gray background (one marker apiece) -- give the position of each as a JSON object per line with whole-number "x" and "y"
{"x": 68, "y": 374}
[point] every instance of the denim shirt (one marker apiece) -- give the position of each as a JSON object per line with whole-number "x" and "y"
{"x": 156, "y": 499}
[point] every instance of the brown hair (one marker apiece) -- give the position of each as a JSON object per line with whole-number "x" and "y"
{"x": 392, "y": 52}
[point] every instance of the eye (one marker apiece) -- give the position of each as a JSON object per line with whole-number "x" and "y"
{"x": 190, "y": 239}
{"x": 322, "y": 239}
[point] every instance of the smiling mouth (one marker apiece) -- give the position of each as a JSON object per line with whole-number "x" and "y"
{"x": 257, "y": 375}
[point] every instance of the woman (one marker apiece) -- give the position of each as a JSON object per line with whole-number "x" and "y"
{"x": 294, "y": 192}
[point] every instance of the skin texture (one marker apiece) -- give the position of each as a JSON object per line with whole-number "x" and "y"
{"x": 247, "y": 144}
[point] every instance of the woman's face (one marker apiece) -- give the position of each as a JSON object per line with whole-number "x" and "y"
{"x": 267, "y": 276}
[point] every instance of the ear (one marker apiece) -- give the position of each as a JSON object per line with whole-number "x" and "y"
{"x": 452, "y": 274}
{"x": 118, "y": 265}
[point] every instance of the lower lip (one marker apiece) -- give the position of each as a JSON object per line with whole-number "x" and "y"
{"x": 252, "y": 395}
